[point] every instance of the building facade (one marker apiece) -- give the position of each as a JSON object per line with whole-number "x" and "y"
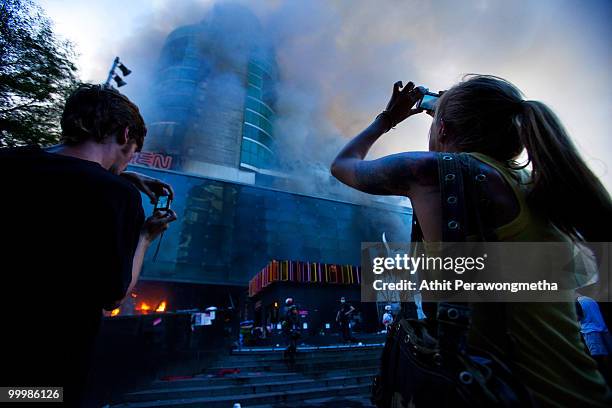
{"x": 214, "y": 97}
{"x": 228, "y": 231}
{"x": 211, "y": 136}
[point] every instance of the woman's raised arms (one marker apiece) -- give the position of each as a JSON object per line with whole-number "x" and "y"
{"x": 397, "y": 174}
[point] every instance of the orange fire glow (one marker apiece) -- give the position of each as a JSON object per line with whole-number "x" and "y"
{"x": 115, "y": 312}
{"x": 146, "y": 308}
{"x": 161, "y": 307}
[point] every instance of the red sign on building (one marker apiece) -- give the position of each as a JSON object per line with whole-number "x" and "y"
{"x": 156, "y": 160}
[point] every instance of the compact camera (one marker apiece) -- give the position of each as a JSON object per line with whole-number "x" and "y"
{"x": 428, "y": 101}
{"x": 162, "y": 204}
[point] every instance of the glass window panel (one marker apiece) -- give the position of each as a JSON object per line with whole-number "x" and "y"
{"x": 254, "y": 92}
{"x": 253, "y": 79}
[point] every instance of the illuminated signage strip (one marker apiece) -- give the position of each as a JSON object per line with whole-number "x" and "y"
{"x": 305, "y": 272}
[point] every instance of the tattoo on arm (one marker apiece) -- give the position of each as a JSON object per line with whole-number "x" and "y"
{"x": 396, "y": 174}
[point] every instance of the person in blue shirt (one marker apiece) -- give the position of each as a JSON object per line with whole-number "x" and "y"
{"x": 595, "y": 334}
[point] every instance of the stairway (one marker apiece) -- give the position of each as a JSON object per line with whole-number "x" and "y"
{"x": 334, "y": 376}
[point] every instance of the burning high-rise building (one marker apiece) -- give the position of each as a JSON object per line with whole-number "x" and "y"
{"x": 211, "y": 136}
{"x": 215, "y": 97}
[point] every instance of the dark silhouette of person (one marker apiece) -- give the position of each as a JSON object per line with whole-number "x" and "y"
{"x": 77, "y": 239}
{"x": 343, "y": 318}
{"x": 291, "y": 330}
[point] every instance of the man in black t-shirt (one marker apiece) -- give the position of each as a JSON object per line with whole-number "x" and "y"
{"x": 74, "y": 238}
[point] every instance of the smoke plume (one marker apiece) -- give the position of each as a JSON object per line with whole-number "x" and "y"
{"x": 338, "y": 61}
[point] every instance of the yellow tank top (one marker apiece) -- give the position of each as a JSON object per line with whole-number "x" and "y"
{"x": 546, "y": 347}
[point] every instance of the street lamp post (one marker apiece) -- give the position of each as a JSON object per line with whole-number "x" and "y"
{"x": 113, "y": 76}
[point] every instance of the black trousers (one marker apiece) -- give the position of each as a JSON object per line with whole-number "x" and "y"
{"x": 345, "y": 329}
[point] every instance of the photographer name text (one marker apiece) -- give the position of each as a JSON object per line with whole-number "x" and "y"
{"x": 460, "y": 285}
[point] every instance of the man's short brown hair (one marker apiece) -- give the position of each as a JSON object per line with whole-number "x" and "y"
{"x": 95, "y": 112}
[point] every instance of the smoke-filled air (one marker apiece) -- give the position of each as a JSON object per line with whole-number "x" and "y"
{"x": 337, "y": 62}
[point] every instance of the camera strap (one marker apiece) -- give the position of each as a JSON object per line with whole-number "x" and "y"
{"x": 157, "y": 247}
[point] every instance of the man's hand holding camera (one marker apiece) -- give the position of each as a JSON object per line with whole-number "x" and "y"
{"x": 152, "y": 187}
{"x": 153, "y": 226}
{"x": 161, "y": 194}
{"x": 157, "y": 223}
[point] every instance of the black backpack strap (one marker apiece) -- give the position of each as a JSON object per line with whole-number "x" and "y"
{"x": 461, "y": 182}
{"x": 451, "y": 191}
{"x": 453, "y": 318}
{"x": 470, "y": 185}
{"x": 479, "y": 196}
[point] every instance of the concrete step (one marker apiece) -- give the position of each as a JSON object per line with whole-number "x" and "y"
{"x": 328, "y": 354}
{"x": 236, "y": 379}
{"x": 272, "y": 386}
{"x": 349, "y": 401}
{"x": 247, "y": 400}
{"x": 337, "y": 348}
{"x": 300, "y": 364}
{"x": 257, "y": 377}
